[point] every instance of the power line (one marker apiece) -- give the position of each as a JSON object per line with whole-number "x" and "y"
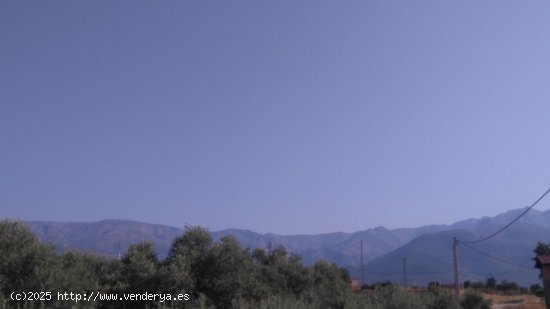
{"x": 456, "y": 242}
{"x": 496, "y": 258}
{"x": 508, "y": 225}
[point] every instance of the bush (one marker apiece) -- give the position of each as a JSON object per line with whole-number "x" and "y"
{"x": 534, "y": 288}
{"x": 507, "y": 286}
{"x": 275, "y": 302}
{"x": 474, "y": 300}
{"x": 396, "y": 297}
{"x": 474, "y": 285}
{"x": 491, "y": 283}
{"x": 440, "y": 298}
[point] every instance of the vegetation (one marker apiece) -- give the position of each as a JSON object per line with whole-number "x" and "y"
{"x": 211, "y": 274}
{"x": 473, "y": 299}
{"x": 395, "y": 297}
{"x": 504, "y": 287}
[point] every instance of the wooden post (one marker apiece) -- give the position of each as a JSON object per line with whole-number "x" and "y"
{"x": 455, "y": 262}
{"x": 362, "y": 266}
{"x": 404, "y": 271}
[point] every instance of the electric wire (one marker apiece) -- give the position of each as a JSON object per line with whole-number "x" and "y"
{"x": 496, "y": 258}
{"x": 507, "y": 225}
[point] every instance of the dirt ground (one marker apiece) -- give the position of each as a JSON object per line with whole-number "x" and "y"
{"x": 515, "y": 301}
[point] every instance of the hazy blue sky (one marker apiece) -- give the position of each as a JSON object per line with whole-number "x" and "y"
{"x": 275, "y": 116}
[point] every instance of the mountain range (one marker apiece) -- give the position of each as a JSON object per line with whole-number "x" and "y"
{"x": 423, "y": 253}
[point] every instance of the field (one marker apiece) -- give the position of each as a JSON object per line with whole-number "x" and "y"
{"x": 522, "y": 301}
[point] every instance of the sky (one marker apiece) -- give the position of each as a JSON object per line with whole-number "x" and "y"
{"x": 288, "y": 117}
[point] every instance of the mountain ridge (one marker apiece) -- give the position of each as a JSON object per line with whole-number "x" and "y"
{"x": 111, "y": 237}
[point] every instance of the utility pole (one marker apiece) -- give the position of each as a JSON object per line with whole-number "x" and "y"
{"x": 362, "y": 265}
{"x": 455, "y": 261}
{"x": 404, "y": 271}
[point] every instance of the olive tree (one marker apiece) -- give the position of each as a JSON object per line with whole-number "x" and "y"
{"x": 23, "y": 259}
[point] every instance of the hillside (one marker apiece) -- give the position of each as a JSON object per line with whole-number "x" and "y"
{"x": 507, "y": 256}
{"x": 106, "y": 237}
{"x": 427, "y": 249}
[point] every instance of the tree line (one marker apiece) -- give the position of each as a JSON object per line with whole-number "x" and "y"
{"x": 218, "y": 274}
{"x": 213, "y": 274}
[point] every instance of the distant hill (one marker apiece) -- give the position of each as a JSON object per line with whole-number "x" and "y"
{"x": 507, "y": 256}
{"x": 104, "y": 237}
{"x": 427, "y": 249}
{"x": 108, "y": 237}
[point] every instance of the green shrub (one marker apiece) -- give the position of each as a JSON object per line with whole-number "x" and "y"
{"x": 276, "y": 302}
{"x": 396, "y": 297}
{"x": 474, "y": 300}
